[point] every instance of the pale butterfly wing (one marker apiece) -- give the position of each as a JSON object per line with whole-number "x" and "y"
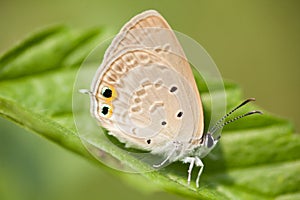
{"x": 148, "y": 19}
{"x": 152, "y": 98}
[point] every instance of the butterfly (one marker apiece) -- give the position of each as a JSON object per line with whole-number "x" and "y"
{"x": 144, "y": 93}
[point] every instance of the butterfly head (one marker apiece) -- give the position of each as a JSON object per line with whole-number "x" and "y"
{"x": 209, "y": 140}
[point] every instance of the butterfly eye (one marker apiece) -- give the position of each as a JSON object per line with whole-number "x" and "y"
{"x": 108, "y": 93}
{"x": 106, "y": 111}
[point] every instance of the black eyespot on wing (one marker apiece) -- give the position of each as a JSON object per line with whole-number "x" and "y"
{"x": 107, "y": 93}
{"x": 179, "y": 114}
{"x": 163, "y": 123}
{"x": 148, "y": 141}
{"x": 105, "y": 110}
{"x": 173, "y": 89}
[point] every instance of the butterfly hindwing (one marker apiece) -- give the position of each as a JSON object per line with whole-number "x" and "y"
{"x": 157, "y": 98}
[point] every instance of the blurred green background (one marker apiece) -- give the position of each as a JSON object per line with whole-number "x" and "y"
{"x": 255, "y": 43}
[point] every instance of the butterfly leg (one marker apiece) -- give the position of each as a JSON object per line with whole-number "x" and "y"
{"x": 200, "y": 164}
{"x": 190, "y": 160}
{"x": 164, "y": 161}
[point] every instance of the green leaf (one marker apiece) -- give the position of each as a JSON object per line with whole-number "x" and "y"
{"x": 257, "y": 158}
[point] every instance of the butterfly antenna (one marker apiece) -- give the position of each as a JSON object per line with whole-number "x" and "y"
{"x": 215, "y": 127}
{"x": 236, "y": 118}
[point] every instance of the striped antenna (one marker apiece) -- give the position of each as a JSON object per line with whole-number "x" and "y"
{"x": 218, "y": 125}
